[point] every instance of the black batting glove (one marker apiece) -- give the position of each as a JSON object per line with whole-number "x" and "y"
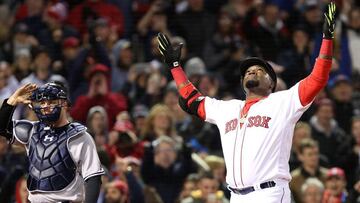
{"x": 329, "y": 24}
{"x": 171, "y": 55}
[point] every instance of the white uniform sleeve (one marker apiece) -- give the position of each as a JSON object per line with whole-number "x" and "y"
{"x": 293, "y": 104}
{"x": 216, "y": 110}
{"x": 212, "y": 107}
{"x": 84, "y": 152}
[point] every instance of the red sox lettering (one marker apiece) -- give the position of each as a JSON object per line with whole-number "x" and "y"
{"x": 258, "y": 121}
{"x": 253, "y": 121}
{"x": 231, "y": 125}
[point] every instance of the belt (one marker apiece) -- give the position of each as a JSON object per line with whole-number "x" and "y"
{"x": 244, "y": 191}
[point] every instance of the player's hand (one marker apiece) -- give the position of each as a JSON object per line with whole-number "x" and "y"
{"x": 171, "y": 55}
{"x": 22, "y": 95}
{"x": 329, "y": 24}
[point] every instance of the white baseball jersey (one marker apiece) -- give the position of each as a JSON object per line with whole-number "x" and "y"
{"x": 83, "y": 151}
{"x": 259, "y": 151}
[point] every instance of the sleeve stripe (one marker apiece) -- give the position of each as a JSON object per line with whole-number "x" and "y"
{"x": 102, "y": 172}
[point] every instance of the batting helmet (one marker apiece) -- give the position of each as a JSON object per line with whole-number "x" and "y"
{"x": 247, "y": 63}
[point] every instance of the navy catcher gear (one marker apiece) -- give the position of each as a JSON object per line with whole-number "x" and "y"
{"x": 50, "y": 93}
{"x": 51, "y": 165}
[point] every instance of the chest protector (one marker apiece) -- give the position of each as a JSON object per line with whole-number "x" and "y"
{"x": 51, "y": 166}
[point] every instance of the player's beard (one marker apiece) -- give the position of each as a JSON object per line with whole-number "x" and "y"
{"x": 252, "y": 83}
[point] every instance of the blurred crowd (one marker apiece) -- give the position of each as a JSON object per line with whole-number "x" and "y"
{"x": 105, "y": 53}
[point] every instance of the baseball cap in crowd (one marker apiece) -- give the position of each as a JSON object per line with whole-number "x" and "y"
{"x": 23, "y": 53}
{"x": 121, "y": 186}
{"x": 21, "y": 28}
{"x": 101, "y": 22}
{"x": 99, "y": 68}
{"x": 131, "y": 160}
{"x": 195, "y": 66}
{"x": 123, "y": 44}
{"x": 178, "y": 40}
{"x": 335, "y": 172}
{"x": 57, "y": 11}
{"x": 339, "y": 79}
{"x": 140, "y": 110}
{"x": 37, "y": 50}
{"x": 70, "y": 42}
{"x": 142, "y": 67}
{"x": 311, "y": 4}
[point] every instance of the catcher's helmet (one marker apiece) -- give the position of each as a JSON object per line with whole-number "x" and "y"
{"x": 247, "y": 63}
{"x": 48, "y": 92}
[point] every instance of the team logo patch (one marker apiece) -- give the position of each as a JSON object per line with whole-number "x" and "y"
{"x": 48, "y": 138}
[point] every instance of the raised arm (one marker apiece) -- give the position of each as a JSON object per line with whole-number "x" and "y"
{"x": 190, "y": 100}
{"x": 312, "y": 84}
{"x": 21, "y": 95}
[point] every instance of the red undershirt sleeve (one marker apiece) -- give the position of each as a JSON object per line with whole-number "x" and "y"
{"x": 185, "y": 87}
{"x": 312, "y": 84}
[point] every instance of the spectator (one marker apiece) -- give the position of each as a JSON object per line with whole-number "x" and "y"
{"x": 123, "y": 59}
{"x": 124, "y": 172}
{"x": 97, "y": 125}
{"x": 196, "y": 25}
{"x": 30, "y": 12}
{"x": 269, "y": 34}
{"x": 41, "y": 66}
{"x": 302, "y": 131}
{"x": 195, "y": 68}
{"x": 8, "y": 83}
{"x": 139, "y": 114}
{"x": 20, "y": 39}
{"x": 105, "y": 32}
{"x": 208, "y": 191}
{"x": 55, "y": 31}
{"x": 171, "y": 100}
{"x": 311, "y": 18}
{"x": 117, "y": 192}
{"x": 99, "y": 94}
{"x": 223, "y": 43}
{"x": 354, "y": 195}
{"x": 341, "y": 92}
{"x": 70, "y": 50}
{"x": 309, "y": 157}
{"x": 124, "y": 144}
{"x": 190, "y": 184}
{"x": 335, "y": 186}
{"x": 326, "y": 131}
{"x": 209, "y": 85}
{"x": 312, "y": 191}
{"x": 154, "y": 91}
{"x": 296, "y": 59}
{"x": 349, "y": 40}
{"x": 154, "y": 21}
{"x": 22, "y": 64}
{"x": 217, "y": 168}
{"x": 349, "y": 153}
{"x": 159, "y": 123}
{"x": 165, "y": 167}
{"x": 84, "y": 14}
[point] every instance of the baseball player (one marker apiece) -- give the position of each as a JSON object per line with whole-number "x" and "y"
{"x": 256, "y": 134}
{"x": 62, "y": 155}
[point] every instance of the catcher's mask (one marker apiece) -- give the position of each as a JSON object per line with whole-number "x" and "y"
{"x": 47, "y": 101}
{"x": 247, "y": 63}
